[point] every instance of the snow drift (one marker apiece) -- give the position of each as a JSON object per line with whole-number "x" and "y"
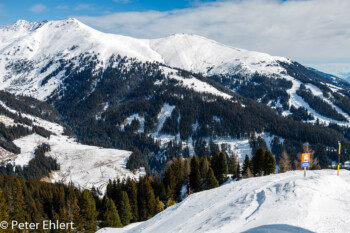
{"x": 285, "y": 202}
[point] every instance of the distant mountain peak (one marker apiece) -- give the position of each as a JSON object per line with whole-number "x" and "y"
{"x": 35, "y": 46}
{"x": 23, "y": 24}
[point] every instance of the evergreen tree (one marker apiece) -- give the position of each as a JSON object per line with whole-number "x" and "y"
{"x": 233, "y": 166}
{"x": 3, "y": 209}
{"x": 146, "y": 200}
{"x": 204, "y": 167}
{"x": 219, "y": 165}
{"x": 169, "y": 182}
{"x": 35, "y": 211}
{"x": 170, "y": 202}
{"x": 62, "y": 217}
{"x": 131, "y": 189}
{"x": 17, "y": 208}
{"x": 195, "y": 176}
{"x": 151, "y": 200}
{"x": 141, "y": 200}
{"x": 88, "y": 211}
{"x": 210, "y": 181}
{"x": 187, "y": 168}
{"x": 269, "y": 163}
{"x": 159, "y": 205}
{"x": 73, "y": 210}
{"x": 125, "y": 209}
{"x": 246, "y": 165}
{"x": 178, "y": 165}
{"x": 110, "y": 216}
{"x": 258, "y": 161}
{"x": 238, "y": 171}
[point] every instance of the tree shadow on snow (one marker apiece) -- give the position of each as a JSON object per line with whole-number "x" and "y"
{"x": 277, "y": 228}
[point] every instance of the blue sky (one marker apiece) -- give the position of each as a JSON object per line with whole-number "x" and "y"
{"x": 33, "y": 10}
{"x": 313, "y": 32}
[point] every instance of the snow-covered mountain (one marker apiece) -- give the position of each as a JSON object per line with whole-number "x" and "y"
{"x": 36, "y": 57}
{"x": 139, "y": 92}
{"x": 30, "y": 51}
{"x": 285, "y": 202}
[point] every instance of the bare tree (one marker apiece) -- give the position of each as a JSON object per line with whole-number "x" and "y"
{"x": 285, "y": 163}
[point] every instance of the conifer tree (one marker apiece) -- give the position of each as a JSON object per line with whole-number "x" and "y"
{"x": 233, "y": 166}
{"x": 258, "y": 161}
{"x": 131, "y": 189}
{"x": 73, "y": 210}
{"x": 219, "y": 165}
{"x": 88, "y": 211}
{"x": 3, "y": 209}
{"x": 210, "y": 181}
{"x": 125, "y": 209}
{"x": 169, "y": 182}
{"x": 159, "y": 205}
{"x": 110, "y": 216}
{"x": 146, "y": 200}
{"x": 141, "y": 200}
{"x": 204, "y": 167}
{"x": 170, "y": 202}
{"x": 62, "y": 217}
{"x": 16, "y": 204}
{"x": 187, "y": 168}
{"x": 195, "y": 176}
{"x": 178, "y": 167}
{"x": 246, "y": 165}
{"x": 35, "y": 210}
{"x": 269, "y": 163}
{"x": 150, "y": 199}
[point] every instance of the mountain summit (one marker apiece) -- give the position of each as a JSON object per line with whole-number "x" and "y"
{"x": 182, "y": 94}
{"x": 36, "y": 45}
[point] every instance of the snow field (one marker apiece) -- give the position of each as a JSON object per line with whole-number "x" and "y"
{"x": 33, "y": 41}
{"x": 317, "y": 203}
{"x": 85, "y": 166}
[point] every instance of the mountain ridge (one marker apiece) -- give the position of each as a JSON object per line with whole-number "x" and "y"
{"x": 179, "y": 94}
{"x": 33, "y": 49}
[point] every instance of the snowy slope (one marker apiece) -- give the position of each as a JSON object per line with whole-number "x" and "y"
{"x": 199, "y": 54}
{"x": 38, "y": 47}
{"x": 277, "y": 203}
{"x": 36, "y": 57}
{"x": 85, "y": 166}
{"x": 35, "y": 45}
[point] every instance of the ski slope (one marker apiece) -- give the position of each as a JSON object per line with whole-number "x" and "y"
{"x": 285, "y": 202}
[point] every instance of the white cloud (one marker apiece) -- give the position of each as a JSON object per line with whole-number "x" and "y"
{"x": 312, "y": 31}
{"x": 38, "y": 8}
